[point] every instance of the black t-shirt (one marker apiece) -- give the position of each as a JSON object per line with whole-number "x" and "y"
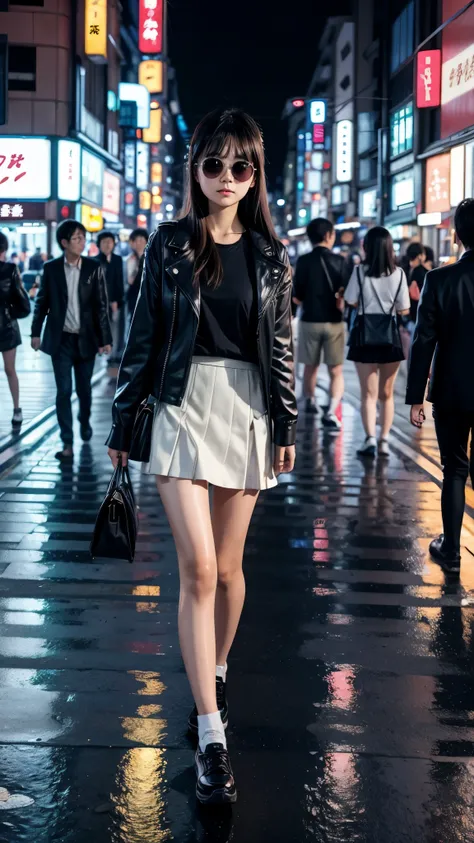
{"x": 418, "y": 275}
{"x": 319, "y": 275}
{"x": 228, "y": 321}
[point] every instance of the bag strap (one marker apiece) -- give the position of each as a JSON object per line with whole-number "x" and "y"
{"x": 392, "y": 307}
{"x": 361, "y": 291}
{"x": 328, "y": 277}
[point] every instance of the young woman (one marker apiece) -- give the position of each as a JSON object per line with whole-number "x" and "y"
{"x": 11, "y": 293}
{"x": 211, "y": 340}
{"x": 377, "y": 286}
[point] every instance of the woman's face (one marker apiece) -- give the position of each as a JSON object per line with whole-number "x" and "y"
{"x": 227, "y": 187}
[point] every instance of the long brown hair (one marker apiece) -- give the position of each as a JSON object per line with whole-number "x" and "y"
{"x": 216, "y": 134}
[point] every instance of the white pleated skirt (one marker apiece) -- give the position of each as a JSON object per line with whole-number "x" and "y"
{"x": 221, "y": 433}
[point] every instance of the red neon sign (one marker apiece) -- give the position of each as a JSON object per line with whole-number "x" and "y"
{"x": 298, "y": 103}
{"x": 318, "y": 133}
{"x": 428, "y": 79}
{"x": 150, "y": 26}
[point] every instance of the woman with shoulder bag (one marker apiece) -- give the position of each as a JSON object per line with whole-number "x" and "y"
{"x": 379, "y": 292}
{"x": 211, "y": 340}
{"x": 14, "y": 305}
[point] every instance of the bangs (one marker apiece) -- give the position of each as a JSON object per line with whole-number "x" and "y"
{"x": 230, "y": 138}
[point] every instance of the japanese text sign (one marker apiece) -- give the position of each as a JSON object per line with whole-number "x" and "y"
{"x": 69, "y": 170}
{"x": 457, "y": 75}
{"x": 111, "y": 194}
{"x": 96, "y": 29}
{"x": 25, "y": 168}
{"x": 150, "y": 26}
{"x": 22, "y": 210}
{"x": 150, "y": 74}
{"x": 438, "y": 183}
{"x": 428, "y": 79}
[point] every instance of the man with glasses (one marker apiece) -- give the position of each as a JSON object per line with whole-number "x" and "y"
{"x": 73, "y": 300}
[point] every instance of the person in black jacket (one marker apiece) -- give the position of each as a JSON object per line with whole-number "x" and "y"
{"x": 320, "y": 280}
{"x": 11, "y": 293}
{"x": 112, "y": 266}
{"x": 210, "y": 339}
{"x": 73, "y": 301}
{"x": 445, "y": 329}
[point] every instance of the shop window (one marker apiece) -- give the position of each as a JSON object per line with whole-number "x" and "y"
{"x": 345, "y": 82}
{"x": 366, "y": 131}
{"x": 402, "y": 37}
{"x": 401, "y": 131}
{"x": 21, "y": 68}
{"x": 346, "y": 51}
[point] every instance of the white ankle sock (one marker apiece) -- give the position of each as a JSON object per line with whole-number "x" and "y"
{"x": 211, "y": 730}
{"x": 333, "y": 405}
{"x": 221, "y": 671}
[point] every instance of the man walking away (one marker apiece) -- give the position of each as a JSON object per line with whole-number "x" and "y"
{"x": 138, "y": 240}
{"x": 112, "y": 266}
{"x": 73, "y": 300}
{"x": 445, "y": 328}
{"x": 320, "y": 280}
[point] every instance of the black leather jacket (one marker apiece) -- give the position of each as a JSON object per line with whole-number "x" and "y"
{"x": 444, "y": 340}
{"x": 159, "y": 351}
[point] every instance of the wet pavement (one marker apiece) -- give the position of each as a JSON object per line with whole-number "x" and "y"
{"x": 351, "y": 683}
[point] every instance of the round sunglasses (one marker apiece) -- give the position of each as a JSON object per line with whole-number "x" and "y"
{"x": 214, "y": 167}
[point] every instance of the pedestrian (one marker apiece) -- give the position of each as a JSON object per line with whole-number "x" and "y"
{"x": 216, "y": 291}
{"x": 320, "y": 280}
{"x": 36, "y": 261}
{"x": 377, "y": 287}
{"x": 138, "y": 240}
{"x": 112, "y": 266}
{"x": 73, "y": 300}
{"x": 412, "y": 265}
{"x": 445, "y": 328}
{"x": 14, "y": 302}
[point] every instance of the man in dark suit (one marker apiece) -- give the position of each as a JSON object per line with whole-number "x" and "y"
{"x": 445, "y": 329}
{"x": 112, "y": 266}
{"x": 73, "y": 300}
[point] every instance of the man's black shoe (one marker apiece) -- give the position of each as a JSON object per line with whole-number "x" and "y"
{"x": 449, "y": 561}
{"x": 66, "y": 455}
{"x": 311, "y": 407}
{"x": 215, "y": 779}
{"x": 86, "y": 433}
{"x": 222, "y": 706}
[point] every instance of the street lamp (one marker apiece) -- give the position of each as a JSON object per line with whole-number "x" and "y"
{"x": 280, "y": 202}
{"x": 168, "y": 138}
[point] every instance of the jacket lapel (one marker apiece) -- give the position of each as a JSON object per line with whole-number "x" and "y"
{"x": 179, "y": 266}
{"x": 268, "y": 270}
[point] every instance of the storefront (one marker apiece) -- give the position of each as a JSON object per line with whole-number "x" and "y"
{"x": 401, "y": 221}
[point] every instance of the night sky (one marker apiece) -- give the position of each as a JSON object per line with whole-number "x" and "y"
{"x": 248, "y": 55}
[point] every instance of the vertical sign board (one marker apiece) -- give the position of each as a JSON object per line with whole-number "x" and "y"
{"x": 428, "y": 79}
{"x": 150, "y": 74}
{"x": 96, "y": 30}
{"x": 457, "y": 74}
{"x": 150, "y": 27}
{"x": 344, "y": 149}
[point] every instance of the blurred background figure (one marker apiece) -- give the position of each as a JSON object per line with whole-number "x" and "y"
{"x": 36, "y": 260}
{"x": 112, "y": 266}
{"x": 14, "y": 304}
{"x": 138, "y": 240}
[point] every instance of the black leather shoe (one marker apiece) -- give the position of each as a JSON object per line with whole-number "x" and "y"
{"x": 66, "y": 455}
{"x": 449, "y": 561}
{"x": 215, "y": 779}
{"x": 86, "y": 433}
{"x": 222, "y": 706}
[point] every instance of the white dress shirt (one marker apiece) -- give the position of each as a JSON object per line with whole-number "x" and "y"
{"x": 72, "y": 271}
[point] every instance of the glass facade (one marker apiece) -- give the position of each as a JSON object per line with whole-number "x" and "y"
{"x": 403, "y": 37}
{"x": 401, "y": 131}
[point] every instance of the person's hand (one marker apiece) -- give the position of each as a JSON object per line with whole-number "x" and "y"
{"x": 417, "y": 415}
{"x": 35, "y": 343}
{"x": 114, "y": 456}
{"x": 284, "y": 461}
{"x": 114, "y": 306}
{"x": 340, "y": 299}
{"x": 106, "y": 349}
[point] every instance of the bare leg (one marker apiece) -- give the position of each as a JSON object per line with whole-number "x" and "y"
{"x": 336, "y": 375}
{"x": 309, "y": 381}
{"x": 9, "y": 358}
{"x": 388, "y": 375}
{"x": 231, "y": 514}
{"x": 187, "y": 506}
{"x": 369, "y": 380}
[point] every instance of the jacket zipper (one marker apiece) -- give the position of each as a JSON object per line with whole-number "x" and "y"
{"x": 168, "y": 350}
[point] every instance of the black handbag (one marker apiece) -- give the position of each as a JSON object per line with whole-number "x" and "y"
{"x": 20, "y": 305}
{"x": 116, "y": 526}
{"x": 379, "y": 329}
{"x": 140, "y": 447}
